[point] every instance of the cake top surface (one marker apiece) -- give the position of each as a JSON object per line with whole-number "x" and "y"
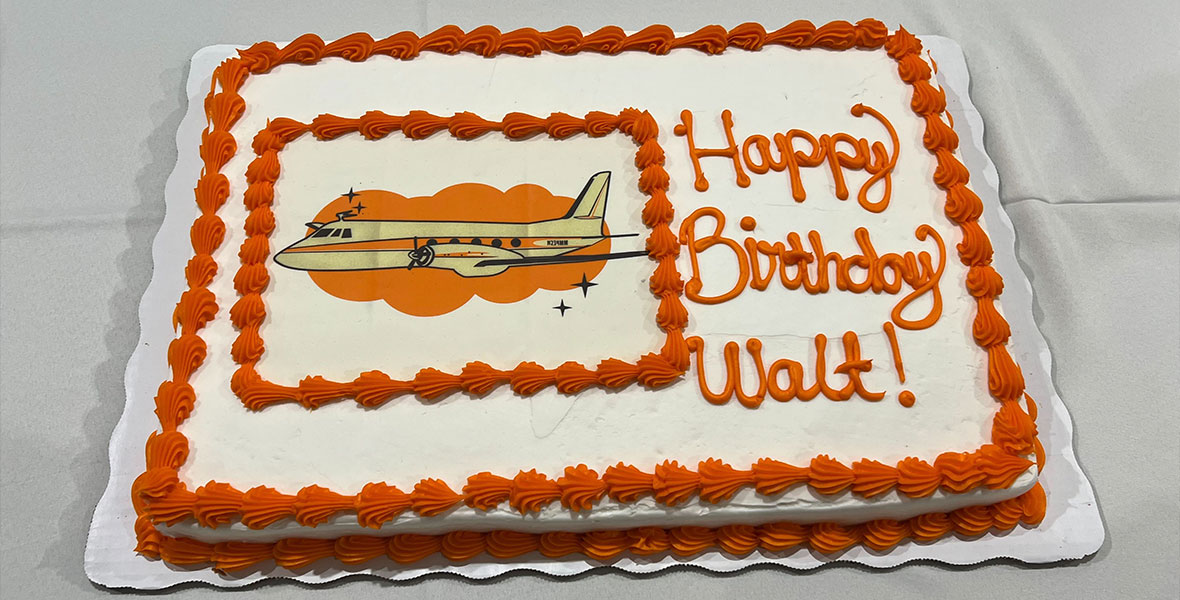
{"x": 784, "y": 278}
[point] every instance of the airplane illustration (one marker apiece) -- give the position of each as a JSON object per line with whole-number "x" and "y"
{"x": 469, "y": 248}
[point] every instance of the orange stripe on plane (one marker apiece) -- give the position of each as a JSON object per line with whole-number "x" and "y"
{"x": 408, "y": 244}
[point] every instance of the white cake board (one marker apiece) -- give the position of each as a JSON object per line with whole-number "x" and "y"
{"x": 1072, "y": 528}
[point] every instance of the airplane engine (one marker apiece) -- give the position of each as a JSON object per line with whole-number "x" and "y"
{"x": 467, "y": 259}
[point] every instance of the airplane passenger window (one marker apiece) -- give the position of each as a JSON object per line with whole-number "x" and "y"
{"x": 323, "y": 233}
{"x": 497, "y": 243}
{"x": 431, "y": 242}
{"x": 476, "y": 241}
{"x": 515, "y": 242}
{"x": 454, "y": 240}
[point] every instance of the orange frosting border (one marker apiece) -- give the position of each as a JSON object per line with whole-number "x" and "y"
{"x": 159, "y": 496}
{"x": 992, "y": 466}
{"x": 373, "y": 388}
{"x": 879, "y": 535}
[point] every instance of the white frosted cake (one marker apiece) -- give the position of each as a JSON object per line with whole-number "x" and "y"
{"x": 483, "y": 295}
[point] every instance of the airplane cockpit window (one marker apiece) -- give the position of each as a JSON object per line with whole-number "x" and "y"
{"x": 337, "y": 232}
{"x": 325, "y": 232}
{"x": 347, "y": 233}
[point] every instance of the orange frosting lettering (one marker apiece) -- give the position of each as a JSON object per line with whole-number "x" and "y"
{"x": 883, "y": 273}
{"x": 769, "y": 380}
{"x": 757, "y": 156}
{"x": 685, "y": 128}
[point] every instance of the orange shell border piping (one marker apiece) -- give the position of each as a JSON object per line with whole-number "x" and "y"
{"x": 655, "y": 369}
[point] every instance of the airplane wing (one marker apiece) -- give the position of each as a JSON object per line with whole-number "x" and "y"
{"x": 556, "y": 260}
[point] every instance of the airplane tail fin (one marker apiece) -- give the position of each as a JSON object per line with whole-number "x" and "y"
{"x": 591, "y": 203}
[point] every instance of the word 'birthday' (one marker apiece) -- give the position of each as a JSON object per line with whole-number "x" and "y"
{"x": 758, "y": 155}
{"x": 815, "y": 269}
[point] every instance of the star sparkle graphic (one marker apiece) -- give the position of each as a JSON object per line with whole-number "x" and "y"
{"x": 351, "y": 194}
{"x": 562, "y": 307}
{"x": 585, "y": 285}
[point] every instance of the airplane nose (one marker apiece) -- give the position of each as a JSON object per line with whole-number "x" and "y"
{"x": 284, "y": 258}
{"x": 306, "y": 261}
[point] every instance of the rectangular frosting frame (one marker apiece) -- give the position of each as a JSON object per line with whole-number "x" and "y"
{"x": 160, "y": 497}
{"x": 373, "y": 388}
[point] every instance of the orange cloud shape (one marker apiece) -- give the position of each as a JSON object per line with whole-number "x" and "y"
{"x": 427, "y": 292}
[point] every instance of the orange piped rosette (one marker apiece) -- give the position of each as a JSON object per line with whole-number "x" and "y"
{"x": 510, "y": 544}
{"x": 779, "y": 537}
{"x": 581, "y": 488}
{"x": 484, "y": 490}
{"x": 358, "y": 549}
{"x": 411, "y": 547}
{"x": 738, "y": 540}
{"x": 379, "y": 503}
{"x": 674, "y": 484}
{"x": 532, "y": 491}
{"x": 433, "y": 497}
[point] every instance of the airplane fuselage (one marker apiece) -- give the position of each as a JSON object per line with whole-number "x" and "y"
{"x": 350, "y": 244}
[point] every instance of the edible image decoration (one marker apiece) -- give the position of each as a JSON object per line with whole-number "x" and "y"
{"x": 429, "y": 255}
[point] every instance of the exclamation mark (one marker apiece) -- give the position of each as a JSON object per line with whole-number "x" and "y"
{"x": 906, "y": 397}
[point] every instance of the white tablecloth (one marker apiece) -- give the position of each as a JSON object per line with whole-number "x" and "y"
{"x": 1080, "y": 104}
